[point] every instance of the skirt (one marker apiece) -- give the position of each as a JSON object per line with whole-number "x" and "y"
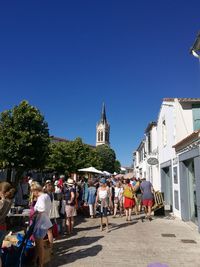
{"x": 70, "y": 211}
{"x": 42, "y": 225}
{"x": 129, "y": 203}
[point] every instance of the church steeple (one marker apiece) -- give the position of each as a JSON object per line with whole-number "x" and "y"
{"x": 103, "y": 129}
{"x": 103, "y": 114}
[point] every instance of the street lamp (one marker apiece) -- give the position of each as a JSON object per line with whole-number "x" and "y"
{"x": 195, "y": 49}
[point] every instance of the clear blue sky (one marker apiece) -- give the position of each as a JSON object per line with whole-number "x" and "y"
{"x": 67, "y": 57}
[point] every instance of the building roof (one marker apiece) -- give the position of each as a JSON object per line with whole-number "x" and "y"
{"x": 55, "y": 139}
{"x": 187, "y": 140}
{"x": 58, "y": 139}
{"x": 150, "y": 126}
{"x": 140, "y": 145}
{"x": 193, "y": 100}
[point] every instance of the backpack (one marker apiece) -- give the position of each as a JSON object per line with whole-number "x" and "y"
{"x": 128, "y": 192}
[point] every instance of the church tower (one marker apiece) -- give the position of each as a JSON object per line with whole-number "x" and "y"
{"x": 103, "y": 129}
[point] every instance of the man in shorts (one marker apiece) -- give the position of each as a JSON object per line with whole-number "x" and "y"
{"x": 147, "y": 197}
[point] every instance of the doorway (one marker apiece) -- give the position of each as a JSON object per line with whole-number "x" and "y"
{"x": 191, "y": 185}
{"x": 166, "y": 187}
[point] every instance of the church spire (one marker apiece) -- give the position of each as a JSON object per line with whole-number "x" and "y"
{"x": 103, "y": 114}
{"x": 103, "y": 129}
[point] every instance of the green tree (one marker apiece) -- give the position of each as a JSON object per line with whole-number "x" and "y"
{"x": 106, "y": 157}
{"x": 60, "y": 158}
{"x": 24, "y": 138}
{"x": 81, "y": 154}
{"x": 68, "y": 157}
{"x": 117, "y": 166}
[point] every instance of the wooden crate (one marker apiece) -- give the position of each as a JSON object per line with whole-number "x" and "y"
{"x": 158, "y": 200}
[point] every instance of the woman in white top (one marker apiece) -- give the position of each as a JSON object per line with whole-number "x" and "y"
{"x": 42, "y": 210}
{"x": 104, "y": 200}
{"x": 118, "y": 200}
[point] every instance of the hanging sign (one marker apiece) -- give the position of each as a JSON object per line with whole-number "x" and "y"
{"x": 152, "y": 161}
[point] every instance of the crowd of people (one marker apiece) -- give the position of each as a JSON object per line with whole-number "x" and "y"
{"x": 54, "y": 205}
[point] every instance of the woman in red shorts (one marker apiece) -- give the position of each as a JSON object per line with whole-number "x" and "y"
{"x": 129, "y": 202}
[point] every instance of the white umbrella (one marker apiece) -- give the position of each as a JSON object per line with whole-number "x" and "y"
{"x": 91, "y": 170}
{"x": 106, "y": 173}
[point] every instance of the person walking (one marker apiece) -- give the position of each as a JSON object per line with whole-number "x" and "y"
{"x": 6, "y": 197}
{"x": 147, "y": 197}
{"x": 129, "y": 201}
{"x": 54, "y": 213}
{"x": 42, "y": 210}
{"x": 138, "y": 197}
{"x": 103, "y": 199}
{"x": 70, "y": 197}
{"x": 118, "y": 199}
{"x": 91, "y": 199}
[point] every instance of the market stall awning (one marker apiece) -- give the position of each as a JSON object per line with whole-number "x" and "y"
{"x": 90, "y": 170}
{"x": 106, "y": 173}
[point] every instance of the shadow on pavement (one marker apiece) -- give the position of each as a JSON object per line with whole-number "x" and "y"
{"x": 115, "y": 227}
{"x": 64, "y": 250}
{"x": 77, "y": 255}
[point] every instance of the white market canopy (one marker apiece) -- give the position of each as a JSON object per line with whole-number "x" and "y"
{"x": 106, "y": 173}
{"x": 90, "y": 170}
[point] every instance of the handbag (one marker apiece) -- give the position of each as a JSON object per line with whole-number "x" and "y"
{"x": 128, "y": 192}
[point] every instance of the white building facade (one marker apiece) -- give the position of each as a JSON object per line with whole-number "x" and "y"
{"x": 145, "y": 153}
{"x": 178, "y": 154}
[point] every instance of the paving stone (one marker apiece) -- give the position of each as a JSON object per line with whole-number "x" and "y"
{"x": 129, "y": 244}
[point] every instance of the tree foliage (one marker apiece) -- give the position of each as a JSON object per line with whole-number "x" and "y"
{"x": 24, "y": 138}
{"x": 71, "y": 156}
{"x": 107, "y": 158}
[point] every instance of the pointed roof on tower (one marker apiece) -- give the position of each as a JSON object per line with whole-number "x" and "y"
{"x": 103, "y": 114}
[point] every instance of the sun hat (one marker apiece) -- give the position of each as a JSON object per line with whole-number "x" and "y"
{"x": 70, "y": 181}
{"x": 48, "y": 182}
{"x": 62, "y": 176}
{"x": 103, "y": 181}
{"x": 56, "y": 183}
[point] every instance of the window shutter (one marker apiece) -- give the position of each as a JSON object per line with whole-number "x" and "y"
{"x": 196, "y": 117}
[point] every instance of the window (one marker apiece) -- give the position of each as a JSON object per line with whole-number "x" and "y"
{"x": 175, "y": 175}
{"x": 101, "y": 136}
{"x": 149, "y": 143}
{"x": 164, "y": 133}
{"x": 107, "y": 136}
{"x": 196, "y": 116}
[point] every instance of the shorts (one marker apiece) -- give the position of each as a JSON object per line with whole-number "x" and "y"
{"x": 147, "y": 202}
{"x": 138, "y": 199}
{"x": 70, "y": 211}
{"x": 104, "y": 211}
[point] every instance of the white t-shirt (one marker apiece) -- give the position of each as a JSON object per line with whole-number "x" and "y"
{"x": 43, "y": 204}
{"x": 118, "y": 192}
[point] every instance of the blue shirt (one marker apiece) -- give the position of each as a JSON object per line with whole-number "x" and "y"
{"x": 146, "y": 190}
{"x": 91, "y": 195}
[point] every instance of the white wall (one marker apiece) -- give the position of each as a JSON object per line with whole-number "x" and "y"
{"x": 184, "y": 120}
{"x": 174, "y": 117}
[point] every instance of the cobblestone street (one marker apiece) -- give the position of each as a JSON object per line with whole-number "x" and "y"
{"x": 130, "y": 244}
